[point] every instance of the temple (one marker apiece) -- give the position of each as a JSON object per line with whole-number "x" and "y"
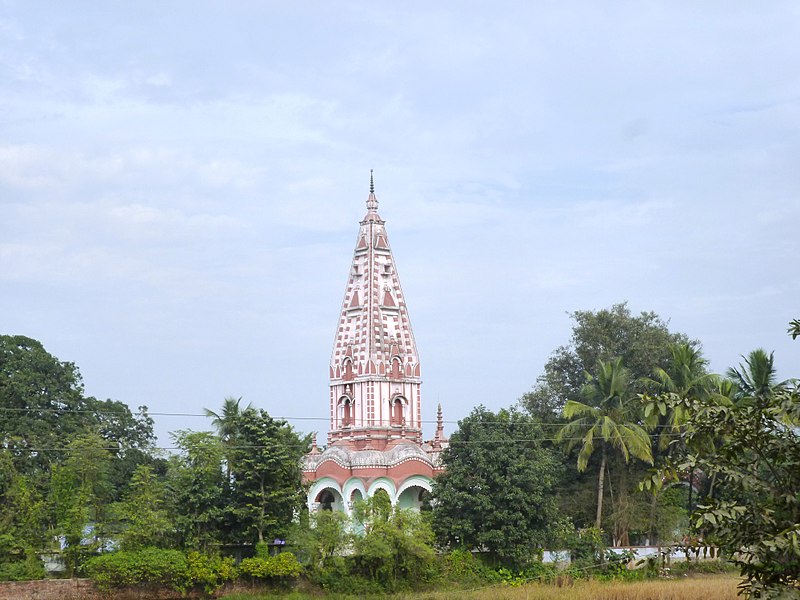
{"x": 375, "y": 439}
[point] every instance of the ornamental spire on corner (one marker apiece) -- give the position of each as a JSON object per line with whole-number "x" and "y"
{"x": 372, "y": 200}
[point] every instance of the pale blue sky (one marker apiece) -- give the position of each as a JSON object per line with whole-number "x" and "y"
{"x": 180, "y": 185}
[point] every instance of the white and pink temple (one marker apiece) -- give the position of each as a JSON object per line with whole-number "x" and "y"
{"x": 375, "y": 440}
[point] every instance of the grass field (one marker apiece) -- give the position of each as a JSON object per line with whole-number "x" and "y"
{"x": 706, "y": 587}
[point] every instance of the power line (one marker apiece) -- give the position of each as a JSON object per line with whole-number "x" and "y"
{"x": 261, "y": 446}
{"x": 276, "y": 417}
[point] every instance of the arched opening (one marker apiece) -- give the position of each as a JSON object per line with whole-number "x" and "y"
{"x": 347, "y": 367}
{"x": 355, "y": 496}
{"x": 329, "y": 499}
{"x": 396, "y": 413}
{"x": 346, "y": 411}
{"x": 396, "y": 371}
{"x": 415, "y": 498}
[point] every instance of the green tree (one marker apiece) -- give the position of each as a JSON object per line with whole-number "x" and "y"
{"x": 40, "y": 398}
{"x": 226, "y": 423}
{"x": 756, "y": 379}
{"x": 267, "y": 476}
{"x": 42, "y": 406}
{"x": 757, "y": 521}
{"x": 322, "y": 540}
{"x": 642, "y": 342}
{"x": 80, "y": 495}
{"x": 685, "y": 376}
{"x": 497, "y": 490}
{"x": 23, "y": 515}
{"x": 395, "y": 548}
{"x": 142, "y": 512}
{"x": 198, "y": 489}
{"x": 609, "y": 419}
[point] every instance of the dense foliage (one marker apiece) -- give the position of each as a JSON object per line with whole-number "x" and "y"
{"x": 625, "y": 438}
{"x": 748, "y": 447}
{"x": 497, "y": 492}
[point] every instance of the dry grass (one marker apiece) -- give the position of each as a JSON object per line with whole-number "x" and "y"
{"x": 710, "y": 587}
{"x": 704, "y": 587}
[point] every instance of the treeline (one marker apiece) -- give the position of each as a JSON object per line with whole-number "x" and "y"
{"x": 626, "y": 438}
{"x": 81, "y": 476}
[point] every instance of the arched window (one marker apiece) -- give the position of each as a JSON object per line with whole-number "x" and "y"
{"x": 346, "y": 405}
{"x": 326, "y": 500}
{"x": 347, "y": 369}
{"x": 396, "y": 414}
{"x": 397, "y": 369}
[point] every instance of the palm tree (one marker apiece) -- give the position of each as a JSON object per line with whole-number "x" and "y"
{"x": 608, "y": 419}
{"x": 685, "y": 377}
{"x": 226, "y": 422}
{"x": 794, "y": 329}
{"x": 756, "y": 378}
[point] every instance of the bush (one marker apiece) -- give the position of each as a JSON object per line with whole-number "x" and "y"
{"x": 158, "y": 567}
{"x": 702, "y": 566}
{"x": 281, "y": 567}
{"x": 209, "y": 572}
{"x": 149, "y": 566}
{"x": 30, "y": 568}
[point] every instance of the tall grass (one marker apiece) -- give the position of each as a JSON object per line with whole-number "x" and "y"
{"x": 710, "y": 587}
{"x": 714, "y": 587}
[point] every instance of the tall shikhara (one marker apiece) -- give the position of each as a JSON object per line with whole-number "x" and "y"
{"x": 374, "y": 370}
{"x": 375, "y": 439}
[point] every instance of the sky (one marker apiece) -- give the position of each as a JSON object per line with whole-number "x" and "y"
{"x": 181, "y": 184}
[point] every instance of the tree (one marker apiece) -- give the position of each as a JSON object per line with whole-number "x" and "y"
{"x": 497, "y": 490}
{"x": 143, "y": 512}
{"x": 756, "y": 522}
{"x": 756, "y": 379}
{"x": 41, "y": 400}
{"x": 42, "y": 407}
{"x": 608, "y": 419}
{"x": 23, "y": 516}
{"x": 226, "y": 422}
{"x": 198, "y": 489}
{"x": 794, "y": 329}
{"x": 395, "y": 546}
{"x": 685, "y": 376}
{"x": 267, "y": 476}
{"x": 642, "y": 342}
{"x": 80, "y": 494}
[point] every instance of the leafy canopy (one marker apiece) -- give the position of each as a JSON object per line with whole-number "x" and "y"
{"x": 497, "y": 491}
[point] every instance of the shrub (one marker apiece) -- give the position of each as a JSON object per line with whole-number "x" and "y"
{"x": 209, "y": 572}
{"x": 281, "y": 567}
{"x": 149, "y": 566}
{"x": 702, "y": 566}
{"x": 30, "y": 568}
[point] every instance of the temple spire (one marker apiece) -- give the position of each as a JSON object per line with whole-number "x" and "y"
{"x": 438, "y": 438}
{"x": 372, "y": 200}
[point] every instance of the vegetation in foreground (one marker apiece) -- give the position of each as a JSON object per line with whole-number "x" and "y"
{"x": 626, "y": 438}
{"x": 706, "y": 587}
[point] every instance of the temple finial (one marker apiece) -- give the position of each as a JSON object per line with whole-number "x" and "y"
{"x": 438, "y": 438}
{"x": 372, "y": 201}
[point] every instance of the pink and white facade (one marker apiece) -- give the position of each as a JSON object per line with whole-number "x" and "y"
{"x": 375, "y": 439}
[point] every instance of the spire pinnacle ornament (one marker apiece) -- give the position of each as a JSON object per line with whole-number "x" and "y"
{"x": 372, "y": 200}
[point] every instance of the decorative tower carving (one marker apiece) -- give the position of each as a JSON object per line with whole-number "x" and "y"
{"x": 375, "y": 439}
{"x": 374, "y": 371}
